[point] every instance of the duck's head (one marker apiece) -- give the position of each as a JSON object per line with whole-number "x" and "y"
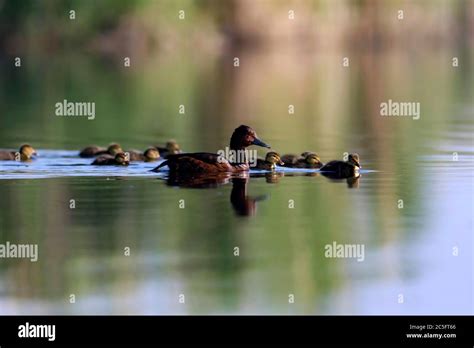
{"x": 114, "y": 149}
{"x": 274, "y": 158}
{"x": 354, "y": 159}
{"x": 122, "y": 158}
{"x": 152, "y": 154}
{"x": 27, "y": 151}
{"x": 173, "y": 147}
{"x": 244, "y": 136}
{"x": 311, "y": 158}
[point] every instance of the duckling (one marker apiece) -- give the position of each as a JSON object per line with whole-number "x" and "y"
{"x": 109, "y": 160}
{"x": 151, "y": 154}
{"x": 343, "y": 169}
{"x": 306, "y": 160}
{"x": 93, "y": 151}
{"x": 24, "y": 154}
{"x": 171, "y": 148}
{"x": 270, "y": 161}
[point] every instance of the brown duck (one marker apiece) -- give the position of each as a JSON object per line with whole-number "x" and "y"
{"x": 24, "y": 154}
{"x": 171, "y": 148}
{"x": 306, "y": 160}
{"x": 204, "y": 162}
{"x": 93, "y": 151}
{"x": 120, "y": 159}
{"x": 151, "y": 154}
{"x": 270, "y": 161}
{"x": 343, "y": 169}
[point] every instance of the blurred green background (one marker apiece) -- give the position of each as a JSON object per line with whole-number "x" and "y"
{"x": 282, "y": 62}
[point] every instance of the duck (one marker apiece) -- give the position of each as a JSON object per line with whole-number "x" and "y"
{"x": 109, "y": 160}
{"x": 204, "y": 162}
{"x": 343, "y": 169}
{"x": 24, "y": 154}
{"x": 269, "y": 163}
{"x": 151, "y": 154}
{"x": 93, "y": 150}
{"x": 171, "y": 148}
{"x": 306, "y": 160}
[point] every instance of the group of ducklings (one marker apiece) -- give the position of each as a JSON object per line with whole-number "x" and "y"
{"x": 111, "y": 155}
{"x": 310, "y": 160}
{"x": 115, "y": 155}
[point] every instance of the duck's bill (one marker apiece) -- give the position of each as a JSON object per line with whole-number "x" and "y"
{"x": 258, "y": 142}
{"x": 281, "y": 163}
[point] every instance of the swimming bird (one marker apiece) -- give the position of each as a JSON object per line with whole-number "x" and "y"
{"x": 171, "y": 148}
{"x": 24, "y": 154}
{"x": 93, "y": 150}
{"x": 269, "y": 163}
{"x": 120, "y": 159}
{"x": 306, "y": 160}
{"x": 151, "y": 154}
{"x": 204, "y": 162}
{"x": 343, "y": 169}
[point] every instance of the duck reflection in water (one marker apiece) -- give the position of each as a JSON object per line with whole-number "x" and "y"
{"x": 242, "y": 204}
{"x": 352, "y": 181}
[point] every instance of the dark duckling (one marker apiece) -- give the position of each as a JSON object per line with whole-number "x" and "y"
{"x": 24, "y": 154}
{"x": 171, "y": 148}
{"x": 343, "y": 169}
{"x": 120, "y": 159}
{"x": 204, "y": 162}
{"x": 151, "y": 154}
{"x": 93, "y": 151}
{"x": 306, "y": 160}
{"x": 270, "y": 161}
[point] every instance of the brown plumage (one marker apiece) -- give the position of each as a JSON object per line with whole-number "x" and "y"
{"x": 204, "y": 162}
{"x": 270, "y": 161}
{"x": 341, "y": 169}
{"x": 120, "y": 159}
{"x": 171, "y": 148}
{"x": 25, "y": 153}
{"x": 306, "y": 160}
{"x": 93, "y": 150}
{"x": 151, "y": 154}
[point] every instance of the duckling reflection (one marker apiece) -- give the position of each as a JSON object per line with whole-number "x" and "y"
{"x": 243, "y": 204}
{"x": 352, "y": 181}
{"x": 270, "y": 177}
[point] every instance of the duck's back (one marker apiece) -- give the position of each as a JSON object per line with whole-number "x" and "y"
{"x": 92, "y": 151}
{"x": 104, "y": 160}
{"x": 340, "y": 168}
{"x": 7, "y": 156}
{"x": 199, "y": 162}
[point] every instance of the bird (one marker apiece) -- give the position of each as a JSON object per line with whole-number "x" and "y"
{"x": 269, "y": 163}
{"x": 204, "y": 162}
{"x": 306, "y": 160}
{"x": 93, "y": 150}
{"x": 343, "y": 169}
{"x": 109, "y": 160}
{"x": 24, "y": 154}
{"x": 171, "y": 148}
{"x": 151, "y": 154}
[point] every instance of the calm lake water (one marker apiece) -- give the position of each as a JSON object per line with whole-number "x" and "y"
{"x": 420, "y": 255}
